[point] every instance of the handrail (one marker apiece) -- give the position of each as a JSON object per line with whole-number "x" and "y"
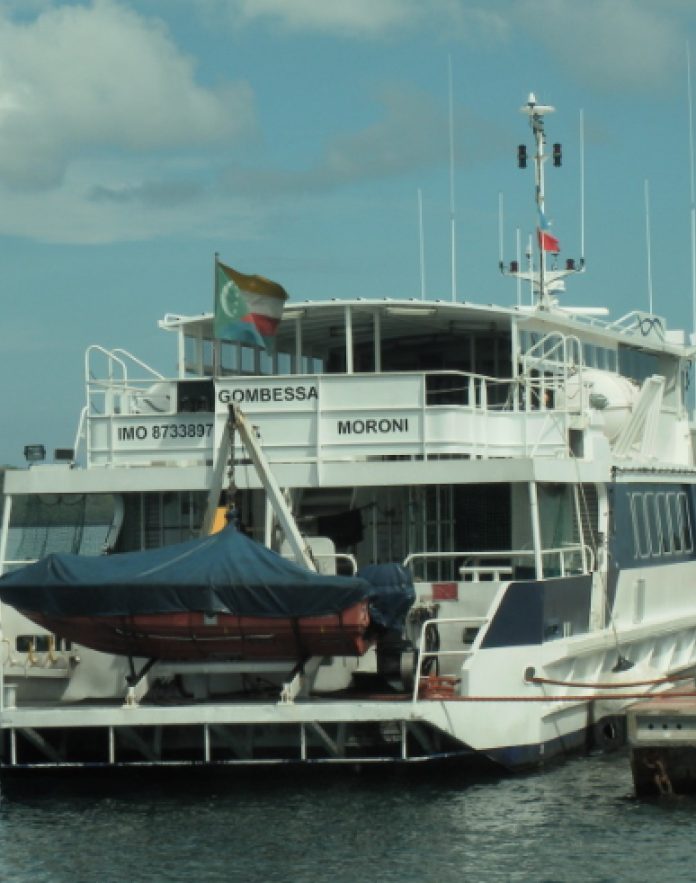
{"x": 80, "y": 433}
{"x": 95, "y": 347}
{"x": 337, "y": 556}
{"x": 561, "y": 551}
{"x": 436, "y": 654}
{"x": 118, "y": 357}
{"x": 564, "y": 342}
{"x": 139, "y": 362}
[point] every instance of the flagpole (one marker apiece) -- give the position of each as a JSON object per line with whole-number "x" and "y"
{"x": 216, "y": 343}
{"x": 453, "y": 243}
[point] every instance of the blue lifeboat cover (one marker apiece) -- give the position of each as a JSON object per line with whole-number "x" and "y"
{"x": 391, "y": 595}
{"x": 226, "y": 572}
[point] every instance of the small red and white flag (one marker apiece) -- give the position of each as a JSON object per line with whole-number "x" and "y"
{"x": 547, "y": 241}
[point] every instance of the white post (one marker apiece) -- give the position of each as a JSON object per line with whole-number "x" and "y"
{"x": 578, "y": 516}
{"x": 298, "y": 345}
{"x": 349, "y": 339}
{"x": 181, "y": 353}
{"x": 536, "y": 531}
{"x": 5, "y": 530}
{"x": 377, "y": 330}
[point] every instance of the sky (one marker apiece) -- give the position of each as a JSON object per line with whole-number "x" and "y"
{"x": 294, "y": 137}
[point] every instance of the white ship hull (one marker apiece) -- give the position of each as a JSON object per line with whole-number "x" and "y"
{"x": 532, "y": 469}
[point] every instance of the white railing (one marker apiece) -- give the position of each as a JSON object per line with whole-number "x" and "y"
{"x": 504, "y": 561}
{"x": 112, "y": 395}
{"x": 334, "y": 417}
{"x": 468, "y": 622}
{"x": 555, "y": 358}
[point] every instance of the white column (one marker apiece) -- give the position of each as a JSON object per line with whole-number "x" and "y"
{"x": 536, "y": 532}
{"x": 4, "y": 532}
{"x": 378, "y": 341}
{"x": 349, "y": 339}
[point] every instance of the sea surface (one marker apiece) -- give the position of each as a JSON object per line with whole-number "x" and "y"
{"x": 577, "y": 821}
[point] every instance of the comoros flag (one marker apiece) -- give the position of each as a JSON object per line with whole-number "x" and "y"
{"x": 247, "y": 308}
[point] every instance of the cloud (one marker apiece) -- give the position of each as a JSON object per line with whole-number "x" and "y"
{"x": 605, "y": 44}
{"x": 138, "y": 203}
{"x": 362, "y": 18}
{"x": 411, "y": 133}
{"x": 79, "y": 78}
{"x": 154, "y": 194}
{"x": 356, "y": 18}
{"x": 611, "y": 44}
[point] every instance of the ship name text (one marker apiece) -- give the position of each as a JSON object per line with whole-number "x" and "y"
{"x": 264, "y": 394}
{"x": 372, "y": 426}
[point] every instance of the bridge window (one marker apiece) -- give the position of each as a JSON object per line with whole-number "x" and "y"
{"x": 661, "y": 524}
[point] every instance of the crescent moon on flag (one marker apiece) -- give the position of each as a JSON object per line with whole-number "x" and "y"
{"x": 228, "y": 297}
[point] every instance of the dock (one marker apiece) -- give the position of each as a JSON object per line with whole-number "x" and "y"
{"x": 661, "y": 734}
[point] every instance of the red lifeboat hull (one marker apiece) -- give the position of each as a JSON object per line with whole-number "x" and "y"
{"x": 192, "y": 635}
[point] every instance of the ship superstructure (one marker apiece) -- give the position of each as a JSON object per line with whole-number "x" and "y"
{"x": 532, "y": 468}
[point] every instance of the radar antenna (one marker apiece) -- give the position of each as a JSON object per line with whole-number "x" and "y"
{"x": 546, "y": 281}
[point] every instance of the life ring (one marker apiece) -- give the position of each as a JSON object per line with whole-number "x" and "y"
{"x": 609, "y": 733}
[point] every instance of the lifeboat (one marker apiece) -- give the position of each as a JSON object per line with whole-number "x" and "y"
{"x": 222, "y": 597}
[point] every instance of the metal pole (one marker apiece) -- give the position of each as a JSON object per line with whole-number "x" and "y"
{"x": 453, "y": 242}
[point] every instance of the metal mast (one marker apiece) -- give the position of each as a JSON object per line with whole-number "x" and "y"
{"x": 536, "y": 114}
{"x": 546, "y": 281}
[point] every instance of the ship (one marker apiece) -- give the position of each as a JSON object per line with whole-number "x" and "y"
{"x": 529, "y": 470}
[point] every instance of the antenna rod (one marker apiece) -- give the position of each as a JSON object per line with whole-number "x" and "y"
{"x": 519, "y": 264}
{"x": 421, "y": 241}
{"x": 582, "y": 187}
{"x": 692, "y": 182}
{"x": 647, "y": 245}
{"x": 500, "y": 228}
{"x": 453, "y": 242}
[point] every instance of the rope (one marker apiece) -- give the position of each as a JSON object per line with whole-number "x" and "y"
{"x": 596, "y": 697}
{"x": 594, "y": 685}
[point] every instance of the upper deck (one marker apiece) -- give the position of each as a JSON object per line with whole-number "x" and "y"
{"x": 381, "y": 381}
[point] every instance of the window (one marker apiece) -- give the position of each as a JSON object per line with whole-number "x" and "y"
{"x": 641, "y": 530}
{"x": 676, "y": 531}
{"x": 661, "y": 524}
{"x": 662, "y": 514}
{"x": 684, "y": 522}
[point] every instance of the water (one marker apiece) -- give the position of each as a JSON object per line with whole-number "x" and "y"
{"x": 576, "y": 821}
